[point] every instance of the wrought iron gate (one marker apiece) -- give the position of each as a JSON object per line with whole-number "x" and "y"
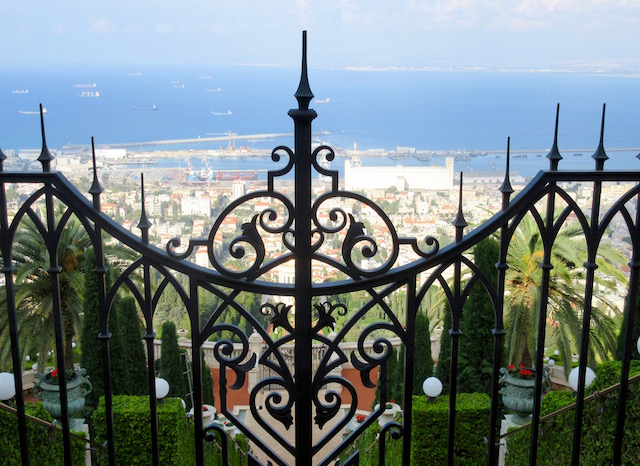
{"x": 316, "y": 228}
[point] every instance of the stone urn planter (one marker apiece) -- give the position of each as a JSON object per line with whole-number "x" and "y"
{"x": 391, "y": 409}
{"x": 47, "y": 389}
{"x": 208, "y": 414}
{"x": 518, "y": 392}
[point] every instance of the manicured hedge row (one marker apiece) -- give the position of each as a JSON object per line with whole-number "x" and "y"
{"x": 598, "y": 426}
{"x": 132, "y": 432}
{"x": 430, "y": 427}
{"x": 45, "y": 445}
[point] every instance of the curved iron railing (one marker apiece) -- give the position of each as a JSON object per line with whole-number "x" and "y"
{"x": 303, "y": 398}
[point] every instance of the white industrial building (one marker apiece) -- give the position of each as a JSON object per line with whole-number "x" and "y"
{"x": 196, "y": 206}
{"x": 361, "y": 178}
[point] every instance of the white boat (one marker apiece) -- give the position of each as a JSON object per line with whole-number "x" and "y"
{"x": 85, "y": 86}
{"x": 153, "y": 107}
{"x": 322, "y": 101}
{"x": 89, "y": 94}
{"x": 228, "y": 112}
{"x": 29, "y": 112}
{"x": 179, "y": 86}
{"x": 213, "y": 90}
{"x": 20, "y": 91}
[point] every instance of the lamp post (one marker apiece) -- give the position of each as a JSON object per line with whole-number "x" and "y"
{"x": 588, "y": 378}
{"x": 432, "y": 387}
{"x": 162, "y": 388}
{"x": 7, "y": 386}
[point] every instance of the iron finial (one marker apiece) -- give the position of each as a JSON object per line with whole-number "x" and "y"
{"x": 304, "y": 94}
{"x": 459, "y": 222}
{"x": 600, "y": 156}
{"x": 45, "y": 156}
{"x": 144, "y": 224}
{"x": 554, "y": 154}
{"x": 95, "y": 188}
{"x": 506, "y": 189}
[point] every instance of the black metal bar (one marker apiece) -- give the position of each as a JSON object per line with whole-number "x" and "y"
{"x": 498, "y": 332}
{"x": 104, "y": 336}
{"x": 629, "y": 317}
{"x": 196, "y": 344}
{"x": 8, "y": 270}
{"x": 456, "y": 309}
{"x": 54, "y": 271}
{"x": 302, "y": 117}
{"x": 592, "y": 250}
{"x": 546, "y": 267}
{"x": 409, "y": 358}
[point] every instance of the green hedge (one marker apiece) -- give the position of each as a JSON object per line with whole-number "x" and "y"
{"x": 45, "y": 445}
{"x": 430, "y": 428}
{"x": 598, "y": 426}
{"x": 132, "y": 434}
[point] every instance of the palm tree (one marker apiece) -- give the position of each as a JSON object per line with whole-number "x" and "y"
{"x": 34, "y": 302}
{"x": 566, "y": 294}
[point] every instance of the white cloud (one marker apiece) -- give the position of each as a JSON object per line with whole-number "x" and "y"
{"x": 103, "y": 25}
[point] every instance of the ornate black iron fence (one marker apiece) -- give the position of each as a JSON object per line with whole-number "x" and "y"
{"x": 304, "y": 415}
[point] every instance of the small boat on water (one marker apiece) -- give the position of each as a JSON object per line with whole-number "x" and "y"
{"x": 179, "y": 86}
{"x": 89, "y": 94}
{"x": 85, "y": 86}
{"x": 30, "y": 112}
{"x": 20, "y": 91}
{"x": 228, "y": 112}
{"x": 153, "y": 107}
{"x": 322, "y": 101}
{"x": 213, "y": 90}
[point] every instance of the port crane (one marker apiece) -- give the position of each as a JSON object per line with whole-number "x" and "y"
{"x": 206, "y": 173}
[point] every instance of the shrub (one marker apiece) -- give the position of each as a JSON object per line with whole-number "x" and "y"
{"x": 429, "y": 439}
{"x": 45, "y": 445}
{"x": 132, "y": 434}
{"x": 598, "y": 425}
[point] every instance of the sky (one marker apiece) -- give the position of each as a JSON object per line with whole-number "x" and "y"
{"x": 575, "y": 35}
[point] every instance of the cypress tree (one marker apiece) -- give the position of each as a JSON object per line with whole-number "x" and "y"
{"x": 207, "y": 382}
{"x": 171, "y": 367}
{"x": 121, "y": 377}
{"x": 423, "y": 360}
{"x": 91, "y": 358}
{"x": 444, "y": 358}
{"x": 133, "y": 347}
{"x": 475, "y": 360}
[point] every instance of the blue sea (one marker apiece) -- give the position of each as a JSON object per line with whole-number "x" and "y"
{"x": 432, "y": 110}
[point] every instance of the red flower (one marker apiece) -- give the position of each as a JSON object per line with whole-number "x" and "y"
{"x": 521, "y": 366}
{"x": 511, "y": 367}
{"x": 204, "y": 408}
{"x": 54, "y": 372}
{"x": 359, "y": 418}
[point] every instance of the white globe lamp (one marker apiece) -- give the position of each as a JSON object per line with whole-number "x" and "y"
{"x": 7, "y": 386}
{"x": 162, "y": 388}
{"x": 432, "y": 387}
{"x": 588, "y": 378}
